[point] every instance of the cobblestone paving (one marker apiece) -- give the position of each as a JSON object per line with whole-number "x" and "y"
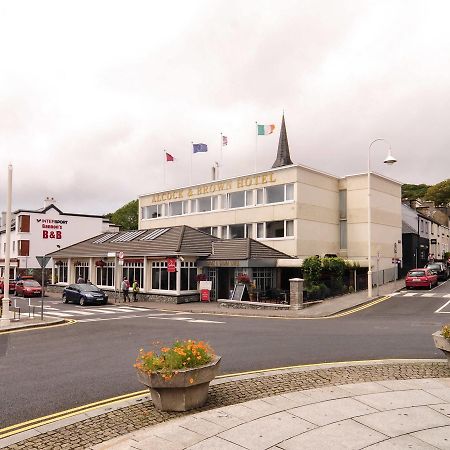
{"x": 98, "y": 429}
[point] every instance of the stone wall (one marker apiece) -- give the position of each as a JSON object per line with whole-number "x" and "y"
{"x": 238, "y": 304}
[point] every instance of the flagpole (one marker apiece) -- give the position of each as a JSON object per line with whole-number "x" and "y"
{"x": 164, "y": 168}
{"x": 190, "y": 170}
{"x": 221, "y": 153}
{"x": 256, "y": 144}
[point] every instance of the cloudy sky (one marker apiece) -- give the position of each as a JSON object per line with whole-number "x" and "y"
{"x": 92, "y": 92}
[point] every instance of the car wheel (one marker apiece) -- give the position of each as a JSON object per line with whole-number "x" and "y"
{"x": 82, "y": 301}
{"x": 64, "y": 299}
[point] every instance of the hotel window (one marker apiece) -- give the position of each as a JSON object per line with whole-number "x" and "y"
{"x": 204, "y": 204}
{"x": 236, "y": 231}
{"x": 188, "y": 276}
{"x": 224, "y": 232}
{"x": 177, "y": 208}
{"x": 236, "y": 199}
{"x": 213, "y": 231}
{"x": 259, "y": 196}
{"x": 215, "y": 202}
{"x": 161, "y": 278}
{"x": 289, "y": 191}
{"x": 23, "y": 248}
{"x": 249, "y": 198}
{"x": 105, "y": 274}
{"x": 275, "y": 229}
{"x": 134, "y": 270}
{"x": 82, "y": 270}
{"x": 249, "y": 230}
{"x": 153, "y": 211}
{"x": 275, "y": 194}
{"x": 61, "y": 272}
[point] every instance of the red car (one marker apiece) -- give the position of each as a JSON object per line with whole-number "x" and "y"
{"x": 12, "y": 286}
{"x": 28, "y": 288}
{"x": 421, "y": 278}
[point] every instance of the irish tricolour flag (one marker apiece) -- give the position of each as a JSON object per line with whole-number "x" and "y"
{"x": 265, "y": 129}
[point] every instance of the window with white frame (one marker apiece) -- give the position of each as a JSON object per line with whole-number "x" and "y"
{"x": 213, "y": 231}
{"x": 134, "y": 270}
{"x": 82, "y": 270}
{"x": 275, "y": 194}
{"x": 236, "y": 231}
{"x": 188, "y": 274}
{"x": 204, "y": 204}
{"x": 61, "y": 272}
{"x": 260, "y": 196}
{"x": 105, "y": 274}
{"x": 236, "y": 199}
{"x": 275, "y": 229}
{"x": 152, "y": 211}
{"x": 161, "y": 278}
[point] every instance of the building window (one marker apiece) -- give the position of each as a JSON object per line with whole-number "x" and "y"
{"x": 264, "y": 278}
{"x": 236, "y": 231}
{"x": 259, "y": 196}
{"x": 188, "y": 276}
{"x": 213, "y": 231}
{"x": 260, "y": 232}
{"x": 204, "y": 204}
{"x": 82, "y": 270}
{"x": 105, "y": 274}
{"x": 176, "y": 208}
{"x": 161, "y": 279}
{"x": 343, "y": 234}
{"x": 61, "y": 272}
{"x": 14, "y": 246}
{"x": 289, "y": 191}
{"x": 152, "y": 211}
{"x": 275, "y": 194}
{"x": 24, "y": 223}
{"x": 134, "y": 270}
{"x": 275, "y": 229}
{"x": 23, "y": 248}
{"x": 236, "y": 199}
{"x": 249, "y": 230}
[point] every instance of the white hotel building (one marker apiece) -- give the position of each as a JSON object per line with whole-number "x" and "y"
{"x": 295, "y": 209}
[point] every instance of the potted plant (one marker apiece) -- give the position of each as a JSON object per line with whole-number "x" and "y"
{"x": 100, "y": 263}
{"x": 178, "y": 376}
{"x": 442, "y": 340}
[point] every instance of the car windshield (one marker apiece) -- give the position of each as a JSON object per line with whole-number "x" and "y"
{"x": 416, "y": 273}
{"x": 31, "y": 283}
{"x": 88, "y": 287}
{"x": 434, "y": 266}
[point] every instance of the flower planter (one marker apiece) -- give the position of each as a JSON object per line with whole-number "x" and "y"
{"x": 442, "y": 344}
{"x": 186, "y": 389}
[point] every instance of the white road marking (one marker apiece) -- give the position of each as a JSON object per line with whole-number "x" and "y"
{"x": 103, "y": 311}
{"x": 442, "y": 307}
{"x": 428, "y": 295}
{"x": 446, "y": 296}
{"x": 410, "y": 294}
{"x": 394, "y": 294}
{"x": 78, "y": 312}
{"x": 58, "y": 314}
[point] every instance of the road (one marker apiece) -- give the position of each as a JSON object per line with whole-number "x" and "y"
{"x": 49, "y": 370}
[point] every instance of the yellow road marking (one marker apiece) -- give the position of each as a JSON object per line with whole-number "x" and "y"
{"x": 34, "y": 423}
{"x": 41, "y": 327}
{"x": 40, "y": 421}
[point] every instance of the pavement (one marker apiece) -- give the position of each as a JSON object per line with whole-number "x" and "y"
{"x": 374, "y": 404}
{"x": 373, "y": 415}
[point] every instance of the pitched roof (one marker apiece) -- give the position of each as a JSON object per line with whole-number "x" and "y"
{"x": 179, "y": 240}
{"x": 283, "y": 156}
{"x": 408, "y": 229}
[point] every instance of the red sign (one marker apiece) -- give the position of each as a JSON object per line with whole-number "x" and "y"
{"x": 204, "y": 295}
{"x": 171, "y": 264}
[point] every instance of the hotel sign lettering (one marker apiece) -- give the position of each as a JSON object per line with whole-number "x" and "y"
{"x": 212, "y": 188}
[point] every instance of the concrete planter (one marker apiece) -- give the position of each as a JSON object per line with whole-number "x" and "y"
{"x": 187, "y": 389}
{"x": 442, "y": 344}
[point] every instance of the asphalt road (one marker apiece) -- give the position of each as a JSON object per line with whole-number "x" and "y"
{"x": 50, "y": 370}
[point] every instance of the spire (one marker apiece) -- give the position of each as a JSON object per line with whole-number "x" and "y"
{"x": 283, "y": 157}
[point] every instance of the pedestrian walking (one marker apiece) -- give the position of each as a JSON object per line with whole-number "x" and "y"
{"x": 125, "y": 289}
{"x": 135, "y": 290}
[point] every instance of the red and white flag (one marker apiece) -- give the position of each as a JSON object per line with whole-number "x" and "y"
{"x": 169, "y": 157}
{"x": 224, "y": 141}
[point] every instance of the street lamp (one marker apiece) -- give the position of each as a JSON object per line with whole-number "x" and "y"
{"x": 388, "y": 160}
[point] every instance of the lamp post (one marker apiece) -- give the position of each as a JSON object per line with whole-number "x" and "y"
{"x": 388, "y": 160}
{"x": 6, "y": 315}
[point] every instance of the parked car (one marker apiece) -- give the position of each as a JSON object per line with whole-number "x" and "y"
{"x": 83, "y": 294}
{"x": 28, "y": 288}
{"x": 440, "y": 268}
{"x": 12, "y": 286}
{"x": 421, "y": 278}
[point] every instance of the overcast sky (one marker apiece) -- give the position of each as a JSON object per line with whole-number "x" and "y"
{"x": 92, "y": 92}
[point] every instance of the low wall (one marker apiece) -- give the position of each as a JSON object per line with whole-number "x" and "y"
{"x": 238, "y": 304}
{"x": 142, "y": 296}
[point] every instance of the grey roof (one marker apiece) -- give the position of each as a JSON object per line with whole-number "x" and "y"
{"x": 408, "y": 229}
{"x": 180, "y": 240}
{"x": 283, "y": 157}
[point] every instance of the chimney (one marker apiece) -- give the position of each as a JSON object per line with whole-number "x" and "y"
{"x": 48, "y": 201}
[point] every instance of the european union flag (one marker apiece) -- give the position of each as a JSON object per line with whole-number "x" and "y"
{"x": 200, "y": 148}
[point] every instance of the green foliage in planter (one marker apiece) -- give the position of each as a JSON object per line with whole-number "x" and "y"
{"x": 446, "y": 331}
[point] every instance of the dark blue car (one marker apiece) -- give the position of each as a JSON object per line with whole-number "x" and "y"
{"x": 84, "y": 294}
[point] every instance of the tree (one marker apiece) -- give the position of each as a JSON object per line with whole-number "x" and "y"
{"x": 127, "y": 216}
{"x": 414, "y": 191}
{"x": 439, "y": 193}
